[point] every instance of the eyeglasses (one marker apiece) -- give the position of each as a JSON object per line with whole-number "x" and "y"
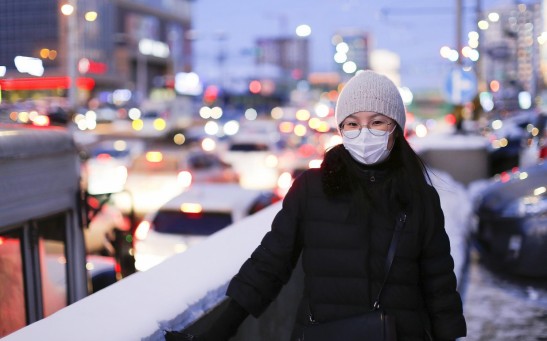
{"x": 377, "y": 127}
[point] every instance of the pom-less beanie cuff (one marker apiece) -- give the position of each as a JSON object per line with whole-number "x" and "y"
{"x": 370, "y": 91}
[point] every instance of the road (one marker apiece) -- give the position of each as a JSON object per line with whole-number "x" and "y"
{"x": 502, "y": 308}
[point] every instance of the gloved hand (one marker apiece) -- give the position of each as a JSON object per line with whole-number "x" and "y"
{"x": 179, "y": 336}
{"x": 210, "y": 335}
{"x": 221, "y": 329}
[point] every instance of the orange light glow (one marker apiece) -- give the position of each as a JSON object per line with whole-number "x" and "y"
{"x": 303, "y": 115}
{"x": 300, "y": 130}
{"x": 154, "y": 157}
{"x": 333, "y": 95}
{"x": 494, "y": 86}
{"x": 314, "y": 122}
{"x": 191, "y": 208}
{"x": 323, "y": 127}
{"x": 286, "y": 127}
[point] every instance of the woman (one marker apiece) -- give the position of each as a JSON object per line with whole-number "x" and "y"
{"x": 341, "y": 219}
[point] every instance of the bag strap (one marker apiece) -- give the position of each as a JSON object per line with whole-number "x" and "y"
{"x": 401, "y": 219}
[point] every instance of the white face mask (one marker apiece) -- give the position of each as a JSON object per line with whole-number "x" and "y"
{"x": 367, "y": 148}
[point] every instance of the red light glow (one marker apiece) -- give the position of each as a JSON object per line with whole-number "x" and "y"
{"x": 450, "y": 119}
{"x": 45, "y": 83}
{"x": 255, "y": 87}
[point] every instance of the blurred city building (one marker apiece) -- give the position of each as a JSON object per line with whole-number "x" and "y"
{"x": 351, "y": 51}
{"x": 289, "y": 54}
{"x": 511, "y": 55}
{"x": 134, "y": 45}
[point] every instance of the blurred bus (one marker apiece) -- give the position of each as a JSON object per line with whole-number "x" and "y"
{"x": 42, "y": 250}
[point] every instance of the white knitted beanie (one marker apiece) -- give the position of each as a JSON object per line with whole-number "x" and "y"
{"x": 370, "y": 91}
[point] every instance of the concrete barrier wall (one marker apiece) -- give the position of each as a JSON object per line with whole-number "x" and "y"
{"x": 464, "y": 157}
{"x": 465, "y": 166}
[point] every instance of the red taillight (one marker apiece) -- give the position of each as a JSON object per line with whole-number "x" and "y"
{"x": 142, "y": 230}
{"x": 104, "y": 156}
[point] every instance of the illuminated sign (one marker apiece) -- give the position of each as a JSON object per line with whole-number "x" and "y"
{"x": 45, "y": 83}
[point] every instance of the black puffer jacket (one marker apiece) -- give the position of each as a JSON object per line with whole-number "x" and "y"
{"x": 343, "y": 238}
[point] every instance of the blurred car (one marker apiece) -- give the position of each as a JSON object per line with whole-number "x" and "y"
{"x": 152, "y": 179}
{"x": 511, "y": 212}
{"x": 535, "y": 144}
{"x": 192, "y": 216}
{"x": 107, "y": 164}
{"x": 201, "y": 166}
{"x": 255, "y": 160}
{"x": 152, "y": 124}
{"x": 506, "y": 136}
{"x": 156, "y": 176}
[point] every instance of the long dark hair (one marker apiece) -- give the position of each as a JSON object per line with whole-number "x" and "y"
{"x": 410, "y": 172}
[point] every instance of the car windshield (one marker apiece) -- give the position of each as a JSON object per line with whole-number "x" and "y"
{"x": 111, "y": 152}
{"x": 202, "y": 161}
{"x": 203, "y": 224}
{"x": 248, "y": 147}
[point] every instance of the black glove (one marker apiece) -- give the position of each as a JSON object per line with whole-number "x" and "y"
{"x": 222, "y": 328}
{"x": 179, "y": 336}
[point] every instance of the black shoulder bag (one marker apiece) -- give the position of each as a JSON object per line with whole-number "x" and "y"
{"x": 375, "y": 325}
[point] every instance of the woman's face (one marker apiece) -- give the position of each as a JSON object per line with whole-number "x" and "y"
{"x": 369, "y": 119}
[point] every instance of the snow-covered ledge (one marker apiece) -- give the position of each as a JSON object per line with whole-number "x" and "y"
{"x": 179, "y": 290}
{"x": 167, "y": 296}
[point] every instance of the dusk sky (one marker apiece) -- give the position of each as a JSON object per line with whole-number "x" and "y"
{"x": 414, "y": 30}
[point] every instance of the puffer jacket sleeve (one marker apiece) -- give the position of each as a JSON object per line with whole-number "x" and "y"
{"x": 439, "y": 282}
{"x": 262, "y": 276}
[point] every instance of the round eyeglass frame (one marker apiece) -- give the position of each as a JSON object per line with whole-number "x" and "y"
{"x": 354, "y": 133}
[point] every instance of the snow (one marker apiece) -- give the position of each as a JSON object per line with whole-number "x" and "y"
{"x": 175, "y": 292}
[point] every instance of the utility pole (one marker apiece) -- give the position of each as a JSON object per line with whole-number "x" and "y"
{"x": 458, "y": 108}
{"x": 72, "y": 54}
{"x": 478, "y": 65}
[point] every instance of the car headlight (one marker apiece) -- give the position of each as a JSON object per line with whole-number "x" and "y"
{"x": 525, "y": 206}
{"x": 271, "y": 161}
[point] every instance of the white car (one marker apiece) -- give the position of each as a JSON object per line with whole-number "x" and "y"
{"x": 152, "y": 179}
{"x": 106, "y": 168}
{"x": 192, "y": 216}
{"x": 157, "y": 176}
{"x": 255, "y": 160}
